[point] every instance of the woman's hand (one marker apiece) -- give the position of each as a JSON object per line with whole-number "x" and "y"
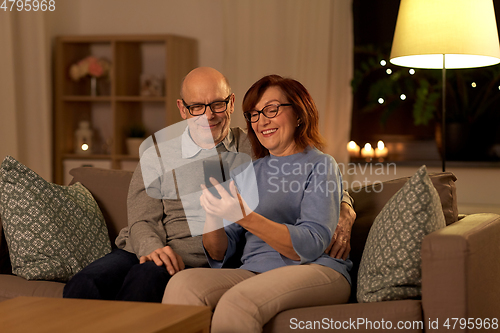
{"x": 233, "y": 208}
{"x": 340, "y": 245}
{"x": 230, "y": 206}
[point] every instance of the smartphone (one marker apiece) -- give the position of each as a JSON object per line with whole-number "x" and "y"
{"x": 215, "y": 169}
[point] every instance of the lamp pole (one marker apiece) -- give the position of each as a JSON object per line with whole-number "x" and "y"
{"x": 443, "y": 120}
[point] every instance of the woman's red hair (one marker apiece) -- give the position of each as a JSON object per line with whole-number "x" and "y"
{"x": 307, "y": 134}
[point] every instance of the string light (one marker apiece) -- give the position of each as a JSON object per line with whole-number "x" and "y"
{"x": 403, "y": 97}
{"x": 381, "y": 100}
{"x": 383, "y": 62}
{"x": 389, "y": 71}
{"x": 474, "y": 85}
{"x": 411, "y": 71}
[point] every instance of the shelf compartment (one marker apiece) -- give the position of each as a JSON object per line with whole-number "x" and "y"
{"x": 98, "y": 114}
{"x": 151, "y": 115}
{"x": 134, "y": 59}
{"x": 71, "y": 54}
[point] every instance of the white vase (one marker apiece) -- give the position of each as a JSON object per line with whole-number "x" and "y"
{"x": 133, "y": 145}
{"x": 93, "y": 86}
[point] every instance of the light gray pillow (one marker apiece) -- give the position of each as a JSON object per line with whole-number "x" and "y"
{"x": 52, "y": 231}
{"x": 390, "y": 265}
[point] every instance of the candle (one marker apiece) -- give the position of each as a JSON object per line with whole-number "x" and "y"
{"x": 353, "y": 149}
{"x": 381, "y": 150}
{"x": 367, "y": 152}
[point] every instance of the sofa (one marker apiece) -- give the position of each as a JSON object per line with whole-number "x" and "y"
{"x": 459, "y": 263}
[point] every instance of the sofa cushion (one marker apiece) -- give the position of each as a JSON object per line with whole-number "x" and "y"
{"x": 12, "y": 286}
{"x": 364, "y": 317}
{"x": 369, "y": 201}
{"x": 390, "y": 266}
{"x": 52, "y": 231}
{"x": 110, "y": 190}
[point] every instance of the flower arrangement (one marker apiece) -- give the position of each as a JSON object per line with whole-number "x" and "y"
{"x": 91, "y": 66}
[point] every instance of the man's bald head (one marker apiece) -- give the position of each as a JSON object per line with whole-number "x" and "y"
{"x": 200, "y": 77}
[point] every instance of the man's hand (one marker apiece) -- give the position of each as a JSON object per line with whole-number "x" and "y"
{"x": 340, "y": 246}
{"x": 165, "y": 256}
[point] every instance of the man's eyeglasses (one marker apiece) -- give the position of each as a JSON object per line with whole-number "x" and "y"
{"x": 270, "y": 111}
{"x": 200, "y": 109}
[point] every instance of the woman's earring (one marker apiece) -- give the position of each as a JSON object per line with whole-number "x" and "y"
{"x": 298, "y": 122}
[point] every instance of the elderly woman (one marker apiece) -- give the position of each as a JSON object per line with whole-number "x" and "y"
{"x": 299, "y": 192}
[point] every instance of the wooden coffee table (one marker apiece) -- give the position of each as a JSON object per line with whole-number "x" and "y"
{"x": 39, "y": 314}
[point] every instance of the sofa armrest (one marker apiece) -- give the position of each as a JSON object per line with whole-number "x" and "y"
{"x": 460, "y": 270}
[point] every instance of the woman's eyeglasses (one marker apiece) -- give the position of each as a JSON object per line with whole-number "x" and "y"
{"x": 270, "y": 111}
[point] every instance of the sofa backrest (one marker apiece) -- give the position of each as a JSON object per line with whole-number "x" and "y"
{"x": 110, "y": 189}
{"x": 369, "y": 201}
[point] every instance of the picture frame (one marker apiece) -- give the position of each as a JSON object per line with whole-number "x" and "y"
{"x": 152, "y": 85}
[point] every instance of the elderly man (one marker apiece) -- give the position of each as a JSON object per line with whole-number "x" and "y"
{"x": 158, "y": 242}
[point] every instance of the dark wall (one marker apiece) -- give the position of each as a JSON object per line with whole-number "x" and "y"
{"x": 374, "y": 23}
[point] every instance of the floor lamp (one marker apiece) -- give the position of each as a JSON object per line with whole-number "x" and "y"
{"x": 445, "y": 34}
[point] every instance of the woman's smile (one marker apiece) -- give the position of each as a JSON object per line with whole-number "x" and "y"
{"x": 268, "y": 132}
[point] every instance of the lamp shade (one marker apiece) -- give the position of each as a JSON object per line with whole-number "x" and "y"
{"x": 464, "y": 31}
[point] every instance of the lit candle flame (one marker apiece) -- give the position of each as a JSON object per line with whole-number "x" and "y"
{"x": 352, "y": 145}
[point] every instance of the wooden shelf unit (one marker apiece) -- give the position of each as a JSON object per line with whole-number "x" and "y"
{"x": 121, "y": 104}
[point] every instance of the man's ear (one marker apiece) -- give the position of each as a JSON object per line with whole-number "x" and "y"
{"x": 231, "y": 102}
{"x": 182, "y": 109}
